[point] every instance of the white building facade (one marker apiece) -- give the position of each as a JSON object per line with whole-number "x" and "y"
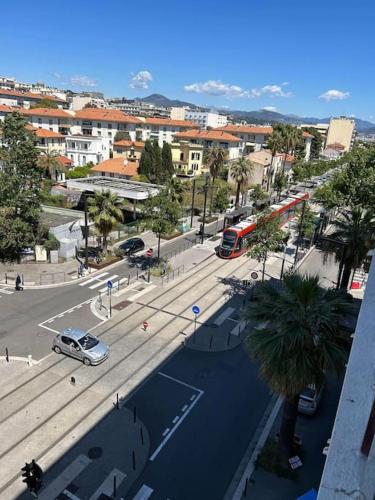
{"x": 163, "y": 130}
{"x": 206, "y": 119}
{"x": 82, "y": 149}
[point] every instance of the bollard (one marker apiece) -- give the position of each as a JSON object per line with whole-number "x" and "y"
{"x": 211, "y": 339}
{"x": 137, "y": 274}
{"x": 228, "y": 339}
{"x": 114, "y": 486}
{"x": 6, "y": 278}
{"x": 141, "y": 432}
{"x": 6, "y": 355}
{"x": 128, "y": 279}
{"x": 29, "y": 360}
{"x": 72, "y": 380}
{"x": 148, "y": 276}
{"x": 135, "y": 414}
{"x": 22, "y": 279}
{"x": 117, "y": 402}
{"x": 133, "y": 456}
{"x": 118, "y": 284}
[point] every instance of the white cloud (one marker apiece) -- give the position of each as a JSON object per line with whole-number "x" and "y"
{"x": 334, "y": 95}
{"x": 216, "y": 88}
{"x": 141, "y": 80}
{"x": 219, "y": 88}
{"x": 82, "y": 81}
{"x": 269, "y": 108}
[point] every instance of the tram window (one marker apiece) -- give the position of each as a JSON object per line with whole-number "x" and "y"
{"x": 239, "y": 243}
{"x": 229, "y": 239}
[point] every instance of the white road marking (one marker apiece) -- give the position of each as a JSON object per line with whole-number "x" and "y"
{"x": 193, "y": 397}
{"x": 238, "y": 328}
{"x": 175, "y": 419}
{"x": 60, "y": 315}
{"x": 95, "y": 278}
{"x": 144, "y": 493}
{"x": 106, "y": 487}
{"x": 224, "y": 315}
{"x": 166, "y": 431}
{"x": 97, "y": 285}
{"x": 6, "y": 291}
{"x": 73, "y": 470}
{"x": 70, "y": 495}
{"x": 186, "y": 409}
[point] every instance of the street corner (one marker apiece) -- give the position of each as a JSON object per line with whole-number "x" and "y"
{"x": 103, "y": 463}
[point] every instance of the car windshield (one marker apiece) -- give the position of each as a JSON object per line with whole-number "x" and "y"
{"x": 88, "y": 342}
{"x": 229, "y": 239}
{"x": 308, "y": 394}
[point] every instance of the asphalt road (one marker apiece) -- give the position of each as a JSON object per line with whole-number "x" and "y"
{"x": 202, "y": 454}
{"x": 22, "y": 313}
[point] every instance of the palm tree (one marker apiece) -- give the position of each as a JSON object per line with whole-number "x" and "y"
{"x": 175, "y": 190}
{"x": 355, "y": 231}
{"x": 240, "y": 172}
{"x": 290, "y": 137}
{"x": 298, "y": 339}
{"x": 215, "y": 159}
{"x": 104, "y": 210}
{"x": 49, "y": 162}
{"x": 274, "y": 144}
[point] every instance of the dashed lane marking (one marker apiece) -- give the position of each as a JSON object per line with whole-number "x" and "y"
{"x": 144, "y": 493}
{"x": 166, "y": 431}
{"x": 101, "y": 282}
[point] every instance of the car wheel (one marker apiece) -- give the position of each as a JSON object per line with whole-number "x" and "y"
{"x": 86, "y": 361}
{"x": 57, "y": 349}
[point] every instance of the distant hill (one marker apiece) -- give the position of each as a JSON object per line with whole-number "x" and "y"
{"x": 260, "y": 116}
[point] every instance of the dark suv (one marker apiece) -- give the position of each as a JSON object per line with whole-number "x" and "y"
{"x": 132, "y": 246}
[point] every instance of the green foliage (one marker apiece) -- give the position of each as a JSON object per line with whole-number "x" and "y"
{"x": 309, "y": 220}
{"x": 161, "y": 214}
{"x": 221, "y": 201}
{"x": 266, "y": 237}
{"x": 122, "y": 135}
{"x": 167, "y": 170}
{"x": 52, "y": 243}
{"x": 147, "y": 164}
{"x": 20, "y": 187}
{"x": 280, "y": 182}
{"x": 50, "y": 164}
{"x": 354, "y": 185}
{"x": 104, "y": 210}
{"x": 79, "y": 172}
{"x": 316, "y": 142}
{"x": 305, "y": 170}
{"x": 240, "y": 172}
{"x": 175, "y": 190}
{"x": 45, "y": 103}
{"x": 258, "y": 194}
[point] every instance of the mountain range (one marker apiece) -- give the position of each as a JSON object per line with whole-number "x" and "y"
{"x": 260, "y": 116}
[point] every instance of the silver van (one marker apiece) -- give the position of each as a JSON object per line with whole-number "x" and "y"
{"x": 81, "y": 345}
{"x": 309, "y": 399}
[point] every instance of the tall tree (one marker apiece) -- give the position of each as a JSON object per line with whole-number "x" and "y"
{"x": 240, "y": 172}
{"x": 167, "y": 170}
{"x": 298, "y": 338}
{"x": 147, "y": 163}
{"x": 274, "y": 144}
{"x": 316, "y": 143}
{"x": 104, "y": 209}
{"x": 355, "y": 233}
{"x": 50, "y": 164}
{"x": 20, "y": 187}
{"x": 290, "y": 136}
{"x": 45, "y": 103}
{"x": 306, "y": 221}
{"x": 161, "y": 215}
{"x": 175, "y": 190}
{"x": 265, "y": 238}
{"x": 157, "y": 160}
{"x": 215, "y": 159}
{"x": 280, "y": 183}
{"x": 122, "y": 135}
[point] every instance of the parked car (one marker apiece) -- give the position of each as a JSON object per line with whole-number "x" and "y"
{"x": 309, "y": 399}
{"x": 81, "y": 345}
{"x": 132, "y": 245}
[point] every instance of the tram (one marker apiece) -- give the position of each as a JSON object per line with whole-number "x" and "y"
{"x": 234, "y": 239}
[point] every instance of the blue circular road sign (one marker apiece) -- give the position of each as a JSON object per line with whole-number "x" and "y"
{"x": 195, "y": 309}
{"x": 109, "y": 284}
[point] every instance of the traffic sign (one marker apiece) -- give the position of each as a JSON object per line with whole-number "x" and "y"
{"x": 109, "y": 284}
{"x": 195, "y": 310}
{"x": 254, "y": 275}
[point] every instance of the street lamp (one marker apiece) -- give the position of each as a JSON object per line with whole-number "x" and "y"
{"x": 205, "y": 189}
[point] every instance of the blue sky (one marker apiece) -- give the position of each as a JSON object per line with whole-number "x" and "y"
{"x": 308, "y": 58}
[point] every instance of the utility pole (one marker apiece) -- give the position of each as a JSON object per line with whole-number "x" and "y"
{"x": 86, "y": 236}
{"x": 205, "y": 188}
{"x": 192, "y": 204}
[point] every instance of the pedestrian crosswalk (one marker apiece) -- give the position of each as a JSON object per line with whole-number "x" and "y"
{"x": 6, "y": 291}
{"x": 99, "y": 280}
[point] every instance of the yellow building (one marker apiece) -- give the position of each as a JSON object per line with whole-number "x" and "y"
{"x": 187, "y": 158}
{"x": 341, "y": 131}
{"x": 128, "y": 149}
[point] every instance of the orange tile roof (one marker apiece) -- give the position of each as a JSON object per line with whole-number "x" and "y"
{"x": 245, "y": 129}
{"x": 117, "y": 166}
{"x": 63, "y": 160}
{"x": 289, "y": 157}
{"x": 306, "y": 134}
{"x": 42, "y": 132}
{"x": 128, "y": 144}
{"x": 107, "y": 115}
{"x": 50, "y": 112}
{"x": 7, "y": 109}
{"x": 208, "y": 135}
{"x": 336, "y": 145}
{"x": 32, "y": 95}
{"x": 171, "y": 123}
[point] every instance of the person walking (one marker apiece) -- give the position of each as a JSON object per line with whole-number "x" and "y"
{"x": 18, "y": 283}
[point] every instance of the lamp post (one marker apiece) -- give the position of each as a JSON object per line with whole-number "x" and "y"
{"x": 192, "y": 204}
{"x": 299, "y": 232}
{"x": 205, "y": 189}
{"x": 86, "y": 235}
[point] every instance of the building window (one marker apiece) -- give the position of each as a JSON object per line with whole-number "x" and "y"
{"x": 73, "y": 145}
{"x": 39, "y": 120}
{"x": 50, "y": 122}
{"x": 109, "y": 126}
{"x": 84, "y": 160}
{"x": 85, "y": 146}
{"x": 99, "y": 133}
{"x": 181, "y": 156}
{"x": 109, "y": 134}
{"x": 99, "y": 125}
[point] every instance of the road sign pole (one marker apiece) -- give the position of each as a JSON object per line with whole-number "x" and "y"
{"x": 195, "y": 328}
{"x": 110, "y": 302}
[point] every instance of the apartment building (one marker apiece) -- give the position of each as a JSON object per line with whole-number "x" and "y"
{"x": 252, "y": 138}
{"x": 213, "y": 138}
{"x": 322, "y": 128}
{"x": 139, "y": 108}
{"x": 54, "y": 120}
{"x": 162, "y": 129}
{"x": 104, "y": 123}
{"x": 341, "y": 131}
{"x": 178, "y": 113}
{"x": 187, "y": 158}
{"x": 80, "y": 101}
{"x": 128, "y": 149}
{"x": 204, "y": 119}
{"x": 117, "y": 167}
{"x": 49, "y": 141}
{"x": 26, "y": 99}
{"x": 83, "y": 149}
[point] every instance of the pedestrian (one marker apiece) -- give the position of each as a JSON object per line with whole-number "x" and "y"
{"x": 145, "y": 326}
{"x": 18, "y": 283}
